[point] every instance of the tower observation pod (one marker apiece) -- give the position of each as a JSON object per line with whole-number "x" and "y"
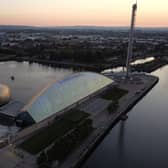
{"x": 131, "y": 38}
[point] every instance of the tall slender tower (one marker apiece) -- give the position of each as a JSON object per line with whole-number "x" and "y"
{"x": 131, "y": 38}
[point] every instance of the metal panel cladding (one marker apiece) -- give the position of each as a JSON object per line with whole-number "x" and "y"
{"x": 64, "y": 93}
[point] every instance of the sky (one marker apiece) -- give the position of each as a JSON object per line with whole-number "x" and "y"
{"x": 150, "y": 13}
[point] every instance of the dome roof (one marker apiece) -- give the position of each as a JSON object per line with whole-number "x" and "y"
{"x": 64, "y": 93}
{"x": 5, "y": 94}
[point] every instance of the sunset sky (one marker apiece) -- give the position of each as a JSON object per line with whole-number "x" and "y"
{"x": 151, "y": 13}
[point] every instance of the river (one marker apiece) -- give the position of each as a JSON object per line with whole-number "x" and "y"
{"x": 29, "y": 78}
{"x": 141, "y": 141}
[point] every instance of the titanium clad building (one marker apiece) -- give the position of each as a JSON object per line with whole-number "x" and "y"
{"x": 61, "y": 95}
{"x": 5, "y": 94}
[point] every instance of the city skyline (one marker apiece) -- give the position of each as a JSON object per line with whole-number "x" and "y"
{"x": 84, "y": 13}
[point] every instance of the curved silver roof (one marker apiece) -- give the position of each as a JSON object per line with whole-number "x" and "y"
{"x": 5, "y": 94}
{"x": 64, "y": 93}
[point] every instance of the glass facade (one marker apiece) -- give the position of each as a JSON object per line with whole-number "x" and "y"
{"x": 64, "y": 93}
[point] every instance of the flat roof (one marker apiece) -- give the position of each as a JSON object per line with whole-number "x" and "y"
{"x": 12, "y": 109}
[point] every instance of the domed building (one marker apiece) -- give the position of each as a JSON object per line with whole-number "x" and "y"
{"x": 59, "y": 96}
{"x": 9, "y": 108}
{"x": 5, "y": 94}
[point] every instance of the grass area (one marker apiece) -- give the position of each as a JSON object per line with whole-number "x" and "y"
{"x": 48, "y": 135}
{"x": 75, "y": 116}
{"x": 113, "y": 106}
{"x": 66, "y": 144}
{"x": 114, "y": 94}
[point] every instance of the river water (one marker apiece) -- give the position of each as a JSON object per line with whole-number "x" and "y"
{"x": 29, "y": 78}
{"x": 136, "y": 62}
{"x": 141, "y": 141}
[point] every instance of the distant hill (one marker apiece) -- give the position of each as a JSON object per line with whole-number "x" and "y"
{"x": 84, "y": 28}
{"x": 13, "y": 27}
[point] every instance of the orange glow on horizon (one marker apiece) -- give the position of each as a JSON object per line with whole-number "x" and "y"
{"x": 79, "y": 12}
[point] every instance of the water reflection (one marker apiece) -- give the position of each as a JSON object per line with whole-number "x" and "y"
{"x": 121, "y": 134}
{"x": 143, "y": 141}
{"x": 142, "y": 61}
{"x": 30, "y": 78}
{"x": 118, "y": 69}
{"x": 136, "y": 62}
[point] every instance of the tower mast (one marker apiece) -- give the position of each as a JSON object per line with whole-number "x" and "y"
{"x": 131, "y": 38}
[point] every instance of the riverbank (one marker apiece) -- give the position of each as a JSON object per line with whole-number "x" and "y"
{"x": 105, "y": 121}
{"x": 150, "y": 66}
{"x": 145, "y": 67}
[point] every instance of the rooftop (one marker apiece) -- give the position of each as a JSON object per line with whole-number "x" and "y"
{"x": 60, "y": 95}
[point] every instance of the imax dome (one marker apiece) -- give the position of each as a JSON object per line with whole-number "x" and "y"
{"x": 5, "y": 94}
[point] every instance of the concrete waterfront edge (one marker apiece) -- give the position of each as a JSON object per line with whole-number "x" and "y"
{"x": 108, "y": 127}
